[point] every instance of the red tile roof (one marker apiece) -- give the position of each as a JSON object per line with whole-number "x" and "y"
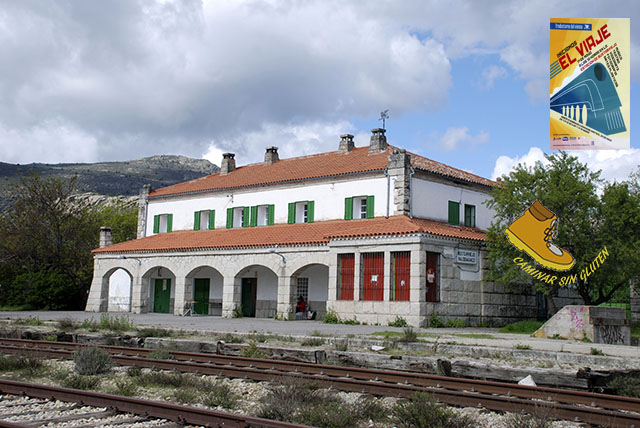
{"x": 318, "y": 233}
{"x": 322, "y": 165}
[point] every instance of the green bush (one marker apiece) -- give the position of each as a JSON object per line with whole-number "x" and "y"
{"x": 456, "y": 323}
{"x": 523, "y": 327}
{"x": 252, "y": 351}
{"x": 596, "y": 351}
{"x": 312, "y": 341}
{"x": 435, "y": 321}
{"x": 33, "y": 321}
{"x": 398, "y": 322}
{"x": 331, "y": 317}
{"x": 126, "y": 387}
{"x": 422, "y": 411}
{"x": 185, "y": 395}
{"x": 67, "y": 324}
{"x": 155, "y": 332}
{"x": 408, "y": 335}
{"x": 629, "y": 386}
{"x": 237, "y": 312}
{"x": 30, "y": 366}
{"x": 160, "y": 354}
{"x": 219, "y": 394}
{"x": 92, "y": 361}
{"x": 78, "y": 381}
{"x": 526, "y": 420}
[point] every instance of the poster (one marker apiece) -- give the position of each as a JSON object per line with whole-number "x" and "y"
{"x": 590, "y": 84}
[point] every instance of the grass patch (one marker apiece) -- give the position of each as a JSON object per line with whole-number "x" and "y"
{"x": 160, "y": 354}
{"x": 92, "y": 361}
{"x": 408, "y": 335}
{"x": 126, "y": 387}
{"x": 435, "y": 321}
{"x": 421, "y": 410}
{"x": 300, "y": 401}
{"x": 635, "y": 329}
{"x": 32, "y": 321}
{"x": 629, "y": 386}
{"x": 28, "y": 366}
{"x": 117, "y": 324}
{"x": 596, "y": 351}
{"x": 526, "y": 420}
{"x": 78, "y": 381}
{"x": 475, "y": 335}
{"x": 522, "y": 327}
{"x": 18, "y": 308}
{"x": 456, "y": 323}
{"x": 523, "y": 347}
{"x": 67, "y": 324}
{"x": 252, "y": 351}
{"x": 312, "y": 341}
{"x": 155, "y": 332}
{"x": 398, "y": 322}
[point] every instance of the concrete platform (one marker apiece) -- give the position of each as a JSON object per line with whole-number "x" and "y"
{"x": 462, "y": 336}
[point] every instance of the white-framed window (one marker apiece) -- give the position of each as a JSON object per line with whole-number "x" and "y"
{"x": 301, "y": 212}
{"x": 357, "y": 207}
{"x": 204, "y": 220}
{"x": 162, "y": 223}
{"x": 303, "y": 289}
{"x": 237, "y": 217}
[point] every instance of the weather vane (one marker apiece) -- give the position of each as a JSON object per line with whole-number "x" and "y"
{"x": 383, "y": 116}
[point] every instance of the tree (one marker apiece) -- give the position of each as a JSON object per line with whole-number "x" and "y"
{"x": 593, "y": 214}
{"x": 46, "y": 240}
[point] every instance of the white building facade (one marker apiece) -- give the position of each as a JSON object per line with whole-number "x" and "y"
{"x": 371, "y": 233}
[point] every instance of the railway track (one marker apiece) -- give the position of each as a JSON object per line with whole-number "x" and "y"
{"x": 50, "y": 406}
{"x": 598, "y": 409}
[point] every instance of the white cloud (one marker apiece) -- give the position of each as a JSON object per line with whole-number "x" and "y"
{"x": 51, "y": 141}
{"x": 614, "y": 164}
{"x": 457, "y": 136}
{"x": 490, "y": 74}
{"x": 292, "y": 140}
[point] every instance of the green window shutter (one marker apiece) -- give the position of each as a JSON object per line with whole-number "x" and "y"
{"x": 196, "y": 220}
{"x": 370, "y": 206}
{"x": 212, "y": 219}
{"x": 310, "y": 211}
{"x": 454, "y": 213}
{"x": 169, "y": 222}
{"x": 348, "y": 208}
{"x": 292, "y": 213}
{"x": 245, "y": 217}
{"x": 254, "y": 216}
{"x": 271, "y": 214}
{"x": 229, "y": 218}
{"x": 156, "y": 224}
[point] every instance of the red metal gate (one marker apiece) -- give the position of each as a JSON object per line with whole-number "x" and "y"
{"x": 346, "y": 266}
{"x": 400, "y": 275}
{"x": 373, "y": 276}
{"x": 433, "y": 276}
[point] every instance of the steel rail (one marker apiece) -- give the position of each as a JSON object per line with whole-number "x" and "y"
{"x": 155, "y": 409}
{"x": 377, "y": 382}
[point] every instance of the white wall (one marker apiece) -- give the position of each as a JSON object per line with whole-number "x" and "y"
{"x": 119, "y": 291}
{"x": 318, "y": 282}
{"x": 328, "y": 197}
{"x": 431, "y": 200}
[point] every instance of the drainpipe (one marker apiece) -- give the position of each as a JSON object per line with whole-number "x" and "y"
{"x": 386, "y": 174}
{"x": 411, "y": 172}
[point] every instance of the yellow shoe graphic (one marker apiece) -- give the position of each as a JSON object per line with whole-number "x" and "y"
{"x": 533, "y": 232}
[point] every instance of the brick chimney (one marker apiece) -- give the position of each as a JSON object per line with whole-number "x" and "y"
{"x": 228, "y": 163}
{"x": 378, "y": 141}
{"x": 346, "y": 143}
{"x": 106, "y": 238}
{"x": 271, "y": 155}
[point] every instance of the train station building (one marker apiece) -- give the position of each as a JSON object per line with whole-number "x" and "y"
{"x": 369, "y": 233}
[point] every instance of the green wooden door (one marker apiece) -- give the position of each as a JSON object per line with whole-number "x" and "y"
{"x": 162, "y": 296}
{"x": 249, "y": 297}
{"x": 201, "y": 296}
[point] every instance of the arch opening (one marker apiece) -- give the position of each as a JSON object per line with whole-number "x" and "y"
{"x": 258, "y": 291}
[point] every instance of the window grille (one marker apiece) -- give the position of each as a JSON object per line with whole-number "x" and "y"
{"x": 303, "y": 289}
{"x": 372, "y": 278}
{"x": 400, "y": 275}
{"x": 346, "y": 266}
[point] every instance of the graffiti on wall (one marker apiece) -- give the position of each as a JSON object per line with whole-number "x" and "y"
{"x": 611, "y": 334}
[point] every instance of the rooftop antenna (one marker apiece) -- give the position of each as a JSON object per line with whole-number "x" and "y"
{"x": 383, "y": 116}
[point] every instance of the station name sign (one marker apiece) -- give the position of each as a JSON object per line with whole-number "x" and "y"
{"x": 467, "y": 257}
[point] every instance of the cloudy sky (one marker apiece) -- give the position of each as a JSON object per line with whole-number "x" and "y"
{"x": 465, "y": 82}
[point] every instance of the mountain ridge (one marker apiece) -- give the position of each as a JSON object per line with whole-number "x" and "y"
{"x": 109, "y": 179}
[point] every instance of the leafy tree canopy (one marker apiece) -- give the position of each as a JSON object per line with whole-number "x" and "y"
{"x": 592, "y": 214}
{"x": 46, "y": 240}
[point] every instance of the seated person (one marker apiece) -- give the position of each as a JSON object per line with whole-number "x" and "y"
{"x": 301, "y": 309}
